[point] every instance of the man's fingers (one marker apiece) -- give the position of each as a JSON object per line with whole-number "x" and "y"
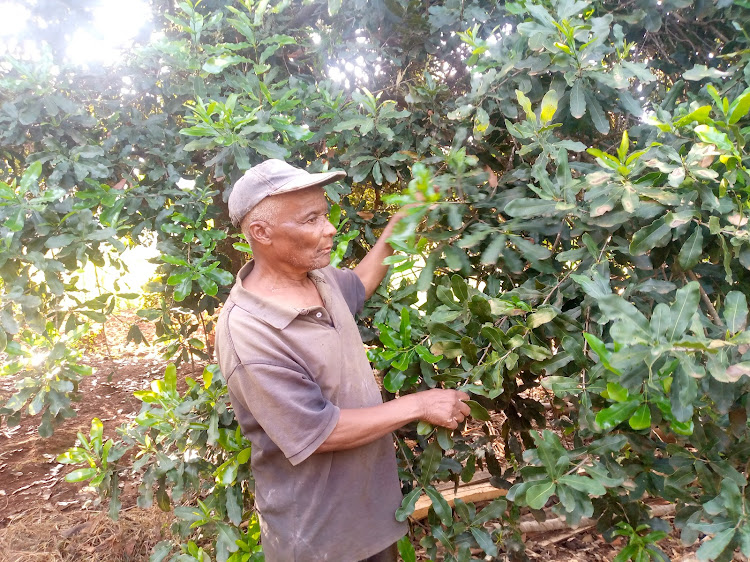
{"x": 462, "y": 395}
{"x": 464, "y": 408}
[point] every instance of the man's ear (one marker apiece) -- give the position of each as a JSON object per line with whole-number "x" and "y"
{"x": 259, "y": 232}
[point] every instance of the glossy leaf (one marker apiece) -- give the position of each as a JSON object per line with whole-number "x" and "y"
{"x": 538, "y": 494}
{"x": 735, "y": 311}
{"x": 407, "y": 504}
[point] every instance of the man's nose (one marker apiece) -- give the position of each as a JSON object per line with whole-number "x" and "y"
{"x": 330, "y": 229}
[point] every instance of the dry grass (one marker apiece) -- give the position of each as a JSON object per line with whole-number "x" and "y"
{"x": 83, "y": 535}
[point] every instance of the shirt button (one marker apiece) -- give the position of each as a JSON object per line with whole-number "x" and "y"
{"x": 318, "y": 315}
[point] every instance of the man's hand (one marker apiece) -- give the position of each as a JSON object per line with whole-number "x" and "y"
{"x": 359, "y": 426}
{"x": 443, "y": 407}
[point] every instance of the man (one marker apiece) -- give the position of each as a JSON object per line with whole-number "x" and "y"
{"x": 299, "y": 381}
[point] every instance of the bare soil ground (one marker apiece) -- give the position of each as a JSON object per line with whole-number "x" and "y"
{"x": 44, "y": 518}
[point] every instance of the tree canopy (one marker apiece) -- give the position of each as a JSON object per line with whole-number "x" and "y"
{"x": 579, "y": 245}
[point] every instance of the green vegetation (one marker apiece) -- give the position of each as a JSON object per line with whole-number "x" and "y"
{"x": 580, "y": 234}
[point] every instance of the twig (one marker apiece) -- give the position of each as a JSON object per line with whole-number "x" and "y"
{"x": 704, "y": 297}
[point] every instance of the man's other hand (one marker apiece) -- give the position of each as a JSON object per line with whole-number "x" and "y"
{"x": 445, "y": 408}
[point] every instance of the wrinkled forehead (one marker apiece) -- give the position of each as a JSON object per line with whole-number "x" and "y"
{"x": 302, "y": 202}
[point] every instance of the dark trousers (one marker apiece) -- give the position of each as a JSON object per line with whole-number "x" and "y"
{"x": 389, "y": 554}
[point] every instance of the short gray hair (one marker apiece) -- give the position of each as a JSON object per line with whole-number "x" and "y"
{"x": 266, "y": 211}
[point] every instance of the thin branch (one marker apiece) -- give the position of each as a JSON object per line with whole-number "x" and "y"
{"x": 704, "y": 297}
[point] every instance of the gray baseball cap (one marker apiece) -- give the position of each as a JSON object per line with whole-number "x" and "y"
{"x": 272, "y": 177}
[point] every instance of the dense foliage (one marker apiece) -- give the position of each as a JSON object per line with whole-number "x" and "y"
{"x": 577, "y": 259}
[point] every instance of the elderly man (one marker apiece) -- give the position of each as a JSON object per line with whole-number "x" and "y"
{"x": 300, "y": 384}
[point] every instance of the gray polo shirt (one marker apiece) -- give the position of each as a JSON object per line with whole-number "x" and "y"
{"x": 289, "y": 372}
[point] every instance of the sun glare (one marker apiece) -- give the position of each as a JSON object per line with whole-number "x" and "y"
{"x": 15, "y": 17}
{"x": 115, "y": 25}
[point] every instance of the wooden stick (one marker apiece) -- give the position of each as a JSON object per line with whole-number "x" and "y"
{"x": 585, "y": 523}
{"x": 472, "y": 492}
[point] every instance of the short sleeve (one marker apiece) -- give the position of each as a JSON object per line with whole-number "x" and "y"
{"x": 288, "y": 406}
{"x": 351, "y": 287}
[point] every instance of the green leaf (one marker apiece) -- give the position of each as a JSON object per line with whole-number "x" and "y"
{"x": 333, "y": 7}
{"x": 648, "y": 237}
{"x": 405, "y": 327}
{"x": 595, "y": 287}
{"x": 424, "y": 354}
{"x": 183, "y": 289}
{"x": 538, "y": 494}
{"x": 424, "y": 428}
{"x": 444, "y": 438}
{"x": 244, "y": 455}
{"x": 81, "y": 474}
{"x": 583, "y": 484}
{"x": 685, "y": 305}
{"x": 739, "y": 108}
{"x": 387, "y": 336}
{"x": 170, "y": 378}
{"x": 484, "y": 540}
{"x": 617, "y": 392}
{"x": 701, "y": 115}
{"x": 405, "y": 548}
{"x": 712, "y": 135}
{"x": 684, "y": 389}
{"x": 617, "y": 308}
{"x": 549, "y": 106}
{"x": 402, "y": 360}
{"x": 427, "y": 273}
{"x": 208, "y": 286}
{"x": 407, "y": 504}
{"x": 735, "y": 311}
{"x": 31, "y": 176}
{"x": 478, "y": 412}
{"x": 395, "y": 378}
{"x": 692, "y": 250}
{"x": 526, "y": 207}
{"x": 60, "y": 241}
{"x": 440, "y": 506}
{"x": 16, "y": 220}
{"x": 493, "y": 510}
{"x": 701, "y": 71}
{"x": 577, "y": 99}
{"x": 615, "y": 414}
{"x": 460, "y": 288}
{"x": 641, "y": 419}
{"x": 493, "y": 250}
{"x": 598, "y": 117}
{"x": 540, "y": 317}
{"x": 430, "y": 461}
{"x": 525, "y": 103}
{"x": 161, "y": 551}
{"x": 711, "y": 549}
{"x": 215, "y": 65}
{"x": 269, "y": 149}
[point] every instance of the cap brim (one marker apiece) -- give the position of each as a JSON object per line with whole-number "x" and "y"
{"x": 310, "y": 180}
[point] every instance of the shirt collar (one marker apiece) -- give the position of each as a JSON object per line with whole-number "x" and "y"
{"x": 274, "y": 314}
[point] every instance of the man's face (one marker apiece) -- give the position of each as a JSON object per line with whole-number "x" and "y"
{"x": 301, "y": 234}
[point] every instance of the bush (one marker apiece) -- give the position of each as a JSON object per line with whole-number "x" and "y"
{"x": 578, "y": 247}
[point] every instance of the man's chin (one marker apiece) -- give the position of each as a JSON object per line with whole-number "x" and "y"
{"x": 321, "y": 262}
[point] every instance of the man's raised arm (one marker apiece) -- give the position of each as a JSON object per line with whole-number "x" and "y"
{"x": 371, "y": 269}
